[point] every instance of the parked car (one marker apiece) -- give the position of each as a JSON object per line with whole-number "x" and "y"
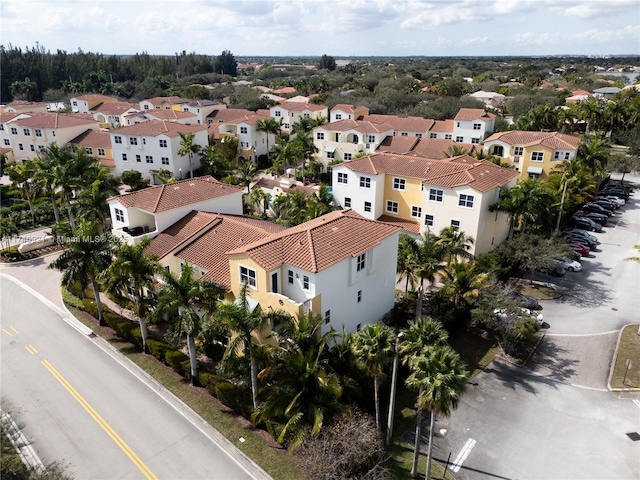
{"x": 524, "y": 312}
{"x": 601, "y": 218}
{"x": 616, "y": 191}
{"x": 592, "y": 207}
{"x": 570, "y": 265}
{"x": 586, "y": 224}
{"x": 618, "y": 201}
{"x": 591, "y": 245}
{"x": 606, "y": 204}
{"x": 582, "y": 249}
{"x": 554, "y": 269}
{"x": 580, "y": 232}
{"x": 525, "y": 300}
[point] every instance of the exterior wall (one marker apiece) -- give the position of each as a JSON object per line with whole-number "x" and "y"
{"x": 342, "y": 143}
{"x": 407, "y": 198}
{"x": 290, "y": 117}
{"x": 79, "y": 106}
{"x": 32, "y": 143}
{"x": 464, "y": 129}
{"x": 253, "y": 143}
{"x": 493, "y": 227}
{"x": 547, "y": 165}
{"x": 357, "y": 194}
{"x": 523, "y": 162}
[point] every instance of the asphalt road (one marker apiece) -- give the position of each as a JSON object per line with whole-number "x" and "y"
{"x": 80, "y": 406}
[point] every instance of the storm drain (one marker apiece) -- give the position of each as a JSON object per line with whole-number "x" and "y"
{"x": 635, "y": 436}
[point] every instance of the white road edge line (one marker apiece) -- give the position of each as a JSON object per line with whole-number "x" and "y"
{"x": 462, "y": 456}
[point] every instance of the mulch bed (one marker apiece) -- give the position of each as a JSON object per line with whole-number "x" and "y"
{"x": 31, "y": 255}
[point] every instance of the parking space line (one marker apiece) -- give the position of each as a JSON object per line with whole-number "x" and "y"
{"x": 462, "y": 456}
{"x": 636, "y": 402}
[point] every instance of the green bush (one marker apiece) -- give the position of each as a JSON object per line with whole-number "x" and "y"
{"x": 176, "y": 360}
{"x": 209, "y": 381}
{"x": 235, "y": 397}
{"x": 90, "y": 307}
{"x": 159, "y": 348}
{"x": 11, "y": 253}
{"x": 71, "y": 299}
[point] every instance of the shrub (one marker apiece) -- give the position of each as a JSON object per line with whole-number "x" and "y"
{"x": 90, "y": 307}
{"x": 158, "y": 348}
{"x": 235, "y": 397}
{"x": 71, "y": 299}
{"x": 11, "y": 253}
{"x": 176, "y": 360}
{"x": 209, "y": 381}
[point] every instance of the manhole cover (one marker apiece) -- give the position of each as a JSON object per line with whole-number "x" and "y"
{"x": 614, "y": 309}
{"x": 635, "y": 436}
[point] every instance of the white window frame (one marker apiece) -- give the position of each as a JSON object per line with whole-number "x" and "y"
{"x": 459, "y": 139}
{"x": 26, "y": 132}
{"x": 119, "y": 215}
{"x": 306, "y": 283}
{"x": 416, "y": 211}
{"x": 348, "y": 157}
{"x": 163, "y": 143}
{"x": 331, "y": 155}
{"x": 399, "y": 183}
{"x": 347, "y": 202}
{"x": 101, "y": 152}
{"x": 343, "y": 178}
{"x": 164, "y": 160}
{"x": 117, "y": 139}
{"x": 244, "y": 130}
{"x": 133, "y": 141}
{"x": 38, "y": 132}
{"x": 367, "y": 207}
{"x": 539, "y": 156}
{"x": 361, "y": 262}
{"x": 124, "y": 157}
{"x": 371, "y": 138}
{"x": 465, "y": 200}
{"x": 436, "y": 195}
{"x": 248, "y": 276}
{"x": 392, "y": 207}
{"x": 89, "y": 150}
{"x": 429, "y": 220}
{"x": 455, "y": 223}
{"x": 290, "y": 277}
{"x": 477, "y": 126}
{"x": 319, "y": 135}
{"x": 365, "y": 182}
{"x": 148, "y": 158}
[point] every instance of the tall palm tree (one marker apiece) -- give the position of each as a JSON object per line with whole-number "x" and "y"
{"x": 189, "y": 299}
{"x": 462, "y": 282}
{"x": 214, "y": 162}
{"x": 285, "y": 152}
{"x": 270, "y": 126}
{"x": 426, "y": 264}
{"x": 188, "y": 148}
{"x": 86, "y": 255}
{"x": 440, "y": 378}
{"x": 456, "y": 244}
{"x": 133, "y": 271}
{"x": 44, "y": 176}
{"x": 92, "y": 200}
{"x": 21, "y": 176}
{"x": 259, "y": 200}
{"x": 305, "y": 148}
{"x": 247, "y": 173}
{"x": 420, "y": 338}
{"x": 407, "y": 250}
{"x": 593, "y": 153}
{"x": 374, "y": 348}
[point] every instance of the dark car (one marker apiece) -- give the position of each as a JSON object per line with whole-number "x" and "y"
{"x": 524, "y": 300}
{"x": 592, "y": 207}
{"x": 606, "y": 204}
{"x": 586, "y": 224}
{"x": 583, "y": 241}
{"x": 615, "y": 191}
{"x": 601, "y": 218}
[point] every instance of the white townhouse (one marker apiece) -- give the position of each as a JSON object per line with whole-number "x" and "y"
{"x": 243, "y": 125}
{"x": 27, "y": 134}
{"x": 23, "y": 106}
{"x": 344, "y": 139}
{"x": 160, "y": 103}
{"x": 403, "y": 126}
{"x": 178, "y": 116}
{"x": 200, "y": 108}
{"x": 418, "y": 193}
{"x": 88, "y": 102}
{"x": 112, "y": 114}
{"x": 151, "y": 146}
{"x": 290, "y": 112}
{"x": 344, "y": 111}
{"x": 472, "y": 125}
{"x": 147, "y": 212}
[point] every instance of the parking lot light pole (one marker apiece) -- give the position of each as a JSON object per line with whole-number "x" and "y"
{"x": 392, "y": 399}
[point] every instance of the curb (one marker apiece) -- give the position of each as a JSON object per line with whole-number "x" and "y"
{"x": 26, "y": 452}
{"x": 613, "y": 364}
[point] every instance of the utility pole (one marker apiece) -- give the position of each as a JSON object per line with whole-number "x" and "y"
{"x": 564, "y": 191}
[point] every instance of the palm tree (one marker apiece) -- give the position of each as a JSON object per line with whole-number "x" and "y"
{"x": 440, "y": 378}
{"x": 191, "y": 298}
{"x": 426, "y": 264}
{"x": 247, "y": 173}
{"x": 86, "y": 255}
{"x": 92, "y": 201}
{"x": 21, "y": 175}
{"x": 271, "y": 127}
{"x": 593, "y": 153}
{"x": 44, "y": 176}
{"x": 214, "y": 162}
{"x": 305, "y": 148}
{"x": 133, "y": 271}
{"x": 188, "y": 148}
{"x": 420, "y": 338}
{"x": 259, "y": 200}
{"x": 456, "y": 151}
{"x": 456, "y": 244}
{"x": 462, "y": 282}
{"x": 634, "y": 258}
{"x": 407, "y": 249}
{"x": 374, "y": 348}
{"x": 285, "y": 152}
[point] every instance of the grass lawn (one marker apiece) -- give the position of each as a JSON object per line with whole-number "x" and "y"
{"x": 258, "y": 444}
{"x": 629, "y": 349}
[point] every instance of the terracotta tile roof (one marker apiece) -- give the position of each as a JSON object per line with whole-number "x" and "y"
{"x": 224, "y": 233}
{"x": 163, "y": 114}
{"x": 396, "y": 144}
{"x": 56, "y": 120}
{"x": 473, "y": 114}
{"x": 180, "y": 232}
{"x": 96, "y": 96}
{"x": 451, "y": 172}
{"x": 580, "y": 92}
{"x": 8, "y": 116}
{"x": 24, "y": 105}
{"x": 406, "y": 225}
{"x": 442, "y": 126}
{"x": 554, "y": 140}
{"x": 162, "y": 100}
{"x": 301, "y": 106}
{"x": 93, "y": 138}
{"x": 402, "y": 124}
{"x": 229, "y": 114}
{"x": 153, "y": 128}
{"x": 114, "y": 108}
{"x": 357, "y": 125}
{"x": 284, "y": 90}
{"x": 161, "y": 198}
{"x": 320, "y": 243}
{"x": 438, "y": 148}
{"x": 343, "y": 107}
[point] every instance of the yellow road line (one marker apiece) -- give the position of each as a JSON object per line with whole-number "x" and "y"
{"x": 7, "y": 332}
{"x": 31, "y": 349}
{"x": 13, "y": 328}
{"x": 146, "y": 471}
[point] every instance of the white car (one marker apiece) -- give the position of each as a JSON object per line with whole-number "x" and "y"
{"x": 525, "y": 311}
{"x": 615, "y": 200}
{"x": 570, "y": 265}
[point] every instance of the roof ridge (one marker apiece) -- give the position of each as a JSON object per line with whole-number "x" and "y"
{"x": 314, "y": 260}
{"x": 198, "y": 233}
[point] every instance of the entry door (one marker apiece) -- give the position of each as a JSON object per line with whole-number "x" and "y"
{"x": 274, "y": 282}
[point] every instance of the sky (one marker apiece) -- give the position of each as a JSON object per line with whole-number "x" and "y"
{"x": 334, "y": 27}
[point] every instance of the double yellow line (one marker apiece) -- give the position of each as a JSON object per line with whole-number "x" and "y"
{"x": 146, "y": 471}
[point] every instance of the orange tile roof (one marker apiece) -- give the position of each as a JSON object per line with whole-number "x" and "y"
{"x": 163, "y": 114}
{"x": 473, "y": 114}
{"x": 320, "y": 243}
{"x": 114, "y": 108}
{"x": 223, "y": 233}
{"x": 301, "y": 106}
{"x": 554, "y": 140}
{"x": 442, "y": 126}
{"x": 93, "y": 138}
{"x": 153, "y": 128}
{"x": 8, "y": 116}
{"x": 180, "y": 232}
{"x": 161, "y": 198}
{"x": 451, "y": 172}
{"x": 438, "y": 148}
{"x": 96, "y": 96}
{"x": 343, "y": 107}
{"x": 229, "y": 114}
{"x": 56, "y": 120}
{"x": 284, "y": 90}
{"x": 397, "y": 144}
{"x": 358, "y": 125}
{"x": 402, "y": 124}
{"x": 162, "y": 100}
{"x": 407, "y": 225}
{"x": 24, "y": 104}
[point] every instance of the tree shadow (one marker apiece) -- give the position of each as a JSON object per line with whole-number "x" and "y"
{"x": 550, "y": 361}
{"x": 585, "y": 292}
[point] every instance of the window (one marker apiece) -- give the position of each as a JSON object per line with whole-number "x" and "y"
{"x": 399, "y": 183}
{"x": 101, "y": 152}
{"x": 359, "y": 300}
{"x": 459, "y": 139}
{"x": 475, "y": 141}
{"x": 419, "y": 135}
{"x": 455, "y": 224}
{"x": 276, "y": 113}
{"x": 119, "y": 215}
{"x": 117, "y": 139}
{"x": 116, "y": 119}
{"x": 14, "y": 131}
{"x": 305, "y": 282}
{"x": 20, "y": 146}
{"x": 392, "y": 207}
{"x": 138, "y": 158}
{"x": 2, "y": 127}
{"x": 33, "y": 148}
{"x": 287, "y": 126}
{"x": 26, "y": 131}
{"x": 146, "y": 107}
{"x": 518, "y": 150}
{"x": 133, "y": 141}
{"x": 367, "y": 206}
{"x": 342, "y": 178}
{"x": 290, "y": 277}
{"x": 537, "y": 156}
{"x": 447, "y": 136}
{"x": 7, "y": 142}
{"x": 465, "y": 201}
{"x": 477, "y": 126}
{"x": 75, "y": 104}
{"x": 428, "y": 220}
{"x": 327, "y": 316}
{"x": 338, "y": 116}
{"x": 347, "y": 202}
{"x": 556, "y": 156}
{"x": 41, "y": 147}
{"x": 148, "y": 158}
{"x": 534, "y": 175}
{"x": 371, "y": 138}
{"x": 89, "y": 150}
{"x": 416, "y": 212}
{"x": 404, "y": 134}
{"x": 320, "y": 136}
{"x": 365, "y": 182}
{"x": 244, "y": 130}
{"x": 163, "y": 143}
{"x": 53, "y": 133}
{"x": 436, "y": 195}
{"x": 124, "y": 157}
{"x": 433, "y": 135}
{"x": 38, "y": 132}
{"x": 331, "y": 155}
{"x": 306, "y": 115}
{"x": 361, "y": 262}
{"x": 458, "y": 124}
{"x": 248, "y": 276}
{"x": 347, "y": 156}
{"x": 165, "y": 160}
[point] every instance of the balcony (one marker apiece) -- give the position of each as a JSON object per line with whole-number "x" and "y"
{"x": 134, "y": 235}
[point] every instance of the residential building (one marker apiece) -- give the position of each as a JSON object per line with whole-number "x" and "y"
{"x": 161, "y": 103}
{"x": 472, "y": 125}
{"x": 344, "y": 111}
{"x": 27, "y": 134}
{"x": 403, "y": 126}
{"x": 578, "y": 96}
{"x": 112, "y": 114}
{"x": 434, "y": 148}
{"x": 442, "y": 129}
{"x": 151, "y": 146}
{"x": 291, "y": 112}
{"x": 533, "y": 154}
{"x": 200, "y": 108}
{"x": 418, "y": 193}
{"x": 88, "y": 102}
{"x": 147, "y": 212}
{"x": 178, "y": 116}
{"x": 607, "y": 93}
{"x": 243, "y": 125}
{"x": 491, "y": 99}
{"x": 97, "y": 143}
{"x": 23, "y": 106}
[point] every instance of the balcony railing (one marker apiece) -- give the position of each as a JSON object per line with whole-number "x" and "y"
{"x": 133, "y": 235}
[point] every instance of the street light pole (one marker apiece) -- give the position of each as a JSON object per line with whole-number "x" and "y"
{"x": 392, "y": 399}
